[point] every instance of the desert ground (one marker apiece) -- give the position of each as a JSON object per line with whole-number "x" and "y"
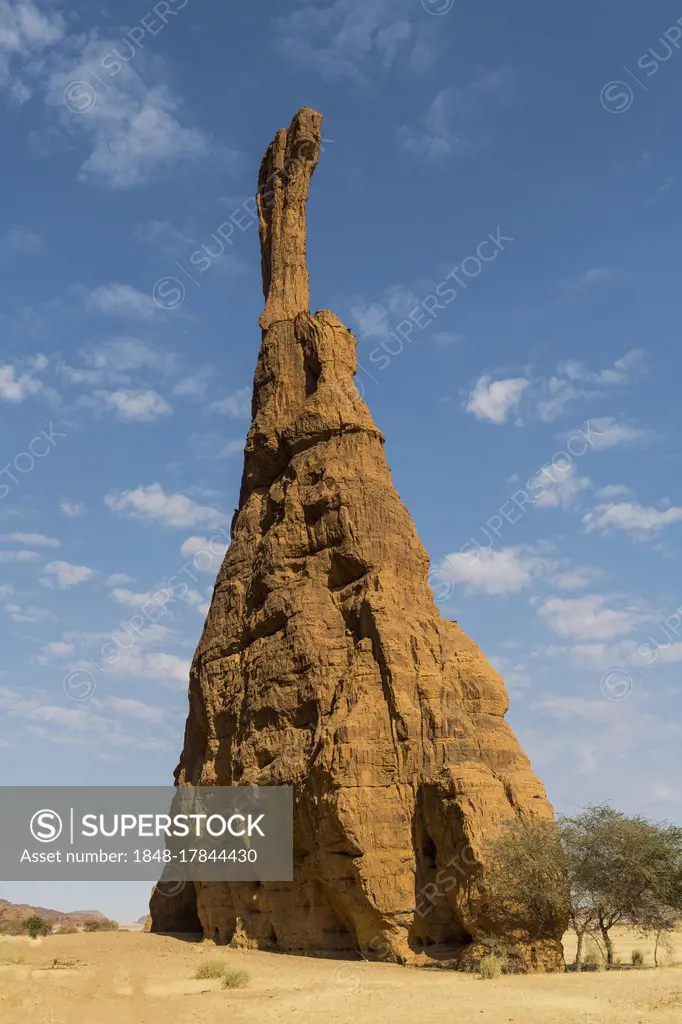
{"x": 133, "y": 978}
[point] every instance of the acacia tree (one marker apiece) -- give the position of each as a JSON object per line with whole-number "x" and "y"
{"x": 36, "y": 926}
{"x": 597, "y": 870}
{"x": 526, "y": 880}
{"x": 662, "y": 910}
{"x": 622, "y": 870}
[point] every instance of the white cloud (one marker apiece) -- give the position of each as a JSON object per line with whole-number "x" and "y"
{"x": 353, "y": 39}
{"x": 547, "y": 398}
{"x": 574, "y": 579}
{"x": 193, "y": 386}
{"x": 435, "y": 135}
{"x": 131, "y": 120}
{"x": 28, "y": 615}
{"x": 237, "y": 404}
{"x": 127, "y": 114}
{"x": 19, "y": 556}
{"x": 596, "y": 656}
{"x": 496, "y": 400}
{"x": 15, "y": 386}
{"x": 55, "y": 649}
{"x": 167, "y": 668}
{"x": 161, "y": 598}
{"x": 26, "y": 31}
{"x": 607, "y": 433}
{"x": 36, "y": 539}
{"x": 590, "y": 278}
{"x": 131, "y": 406}
{"x": 589, "y": 618}
{"x": 194, "y": 546}
{"x": 59, "y": 648}
{"x": 551, "y": 397}
{"x": 151, "y": 503}
{"x": 136, "y": 709}
{"x": 77, "y": 726}
{"x": 630, "y": 517}
{"x": 68, "y": 575}
{"x": 450, "y": 123}
{"x": 378, "y": 319}
{"x": 560, "y": 487}
{"x": 118, "y": 579}
{"x": 207, "y": 552}
{"x": 118, "y": 356}
{"x": 614, "y": 491}
{"x": 72, "y": 509}
{"x": 134, "y": 662}
{"x": 506, "y": 571}
{"x": 122, "y": 300}
{"x": 139, "y": 600}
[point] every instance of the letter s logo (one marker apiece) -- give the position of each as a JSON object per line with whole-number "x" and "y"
{"x": 46, "y": 826}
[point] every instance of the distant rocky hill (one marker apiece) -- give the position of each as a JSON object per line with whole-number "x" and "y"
{"x": 12, "y": 915}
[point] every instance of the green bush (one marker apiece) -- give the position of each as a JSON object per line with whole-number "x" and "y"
{"x": 97, "y": 924}
{"x": 210, "y": 969}
{"x": 37, "y": 926}
{"x": 235, "y": 977}
{"x": 490, "y": 966}
{"x": 637, "y": 958}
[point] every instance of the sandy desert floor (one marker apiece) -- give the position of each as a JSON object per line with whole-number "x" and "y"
{"x": 133, "y": 978}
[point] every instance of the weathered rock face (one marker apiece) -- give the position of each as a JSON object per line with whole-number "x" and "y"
{"x": 325, "y": 664}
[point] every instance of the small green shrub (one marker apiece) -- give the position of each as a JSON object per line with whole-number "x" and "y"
{"x": 637, "y": 958}
{"x": 490, "y": 966}
{"x": 100, "y": 924}
{"x": 210, "y": 969}
{"x": 235, "y": 977}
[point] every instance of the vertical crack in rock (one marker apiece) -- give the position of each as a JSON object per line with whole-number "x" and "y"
{"x": 325, "y": 664}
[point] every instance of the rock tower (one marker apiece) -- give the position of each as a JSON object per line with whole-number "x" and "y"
{"x": 325, "y": 664}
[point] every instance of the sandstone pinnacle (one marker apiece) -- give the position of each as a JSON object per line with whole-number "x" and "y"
{"x": 325, "y": 664}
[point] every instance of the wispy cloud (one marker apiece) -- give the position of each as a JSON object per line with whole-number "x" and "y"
{"x": 128, "y": 116}
{"x": 609, "y": 432}
{"x": 132, "y": 123}
{"x": 453, "y": 123}
{"x": 547, "y": 398}
{"x": 503, "y": 571}
{"x": 151, "y": 504}
{"x": 129, "y": 405}
{"x": 630, "y": 517}
{"x": 71, "y": 509}
{"x": 355, "y": 39}
{"x": 66, "y": 575}
{"x": 237, "y": 404}
{"x": 16, "y": 385}
{"x": 31, "y": 539}
{"x": 590, "y": 617}
{"x": 122, "y": 300}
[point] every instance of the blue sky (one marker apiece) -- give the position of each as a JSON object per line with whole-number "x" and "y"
{"x": 130, "y": 293}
